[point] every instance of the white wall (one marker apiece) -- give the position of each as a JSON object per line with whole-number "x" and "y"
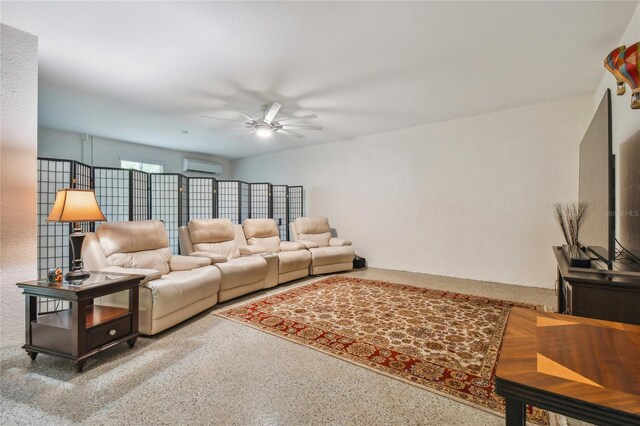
{"x": 466, "y": 198}
{"x": 104, "y": 152}
{"x": 18, "y": 141}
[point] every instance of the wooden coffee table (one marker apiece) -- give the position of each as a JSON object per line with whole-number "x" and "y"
{"x": 584, "y": 368}
{"x": 86, "y": 328}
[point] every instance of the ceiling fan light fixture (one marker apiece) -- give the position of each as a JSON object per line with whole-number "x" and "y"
{"x": 264, "y": 132}
{"x": 268, "y": 125}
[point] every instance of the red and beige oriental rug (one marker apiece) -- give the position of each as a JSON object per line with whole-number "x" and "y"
{"x": 440, "y": 341}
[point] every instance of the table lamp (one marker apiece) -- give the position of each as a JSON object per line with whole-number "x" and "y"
{"x": 75, "y": 206}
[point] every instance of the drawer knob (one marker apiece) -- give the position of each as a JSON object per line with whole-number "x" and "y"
{"x": 112, "y": 332}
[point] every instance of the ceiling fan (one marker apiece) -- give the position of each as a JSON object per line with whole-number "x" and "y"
{"x": 267, "y": 125}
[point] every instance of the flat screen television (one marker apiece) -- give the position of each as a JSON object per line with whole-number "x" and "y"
{"x": 597, "y": 185}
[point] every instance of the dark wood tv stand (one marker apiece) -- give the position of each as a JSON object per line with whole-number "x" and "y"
{"x": 598, "y": 293}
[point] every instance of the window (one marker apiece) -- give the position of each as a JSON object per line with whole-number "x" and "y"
{"x": 143, "y": 166}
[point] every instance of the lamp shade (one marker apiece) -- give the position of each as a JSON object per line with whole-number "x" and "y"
{"x": 75, "y": 205}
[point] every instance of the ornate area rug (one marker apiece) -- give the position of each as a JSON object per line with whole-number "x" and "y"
{"x": 441, "y": 341}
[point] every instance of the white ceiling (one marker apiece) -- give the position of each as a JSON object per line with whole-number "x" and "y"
{"x": 145, "y": 71}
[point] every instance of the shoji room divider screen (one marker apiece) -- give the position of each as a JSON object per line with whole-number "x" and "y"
{"x": 261, "y": 201}
{"x": 113, "y": 191}
{"x": 125, "y": 194}
{"x": 234, "y": 200}
{"x": 169, "y": 192}
{"x": 53, "y": 238}
{"x": 203, "y": 198}
{"x": 296, "y": 202}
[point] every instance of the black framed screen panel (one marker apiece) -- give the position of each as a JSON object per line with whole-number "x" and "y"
{"x": 260, "y": 200}
{"x": 296, "y": 203}
{"x": 184, "y": 200}
{"x": 229, "y": 200}
{"x": 113, "y": 193}
{"x": 139, "y": 195}
{"x": 165, "y": 203}
{"x": 82, "y": 178}
{"x": 202, "y": 198}
{"x": 81, "y": 175}
{"x": 280, "y": 209}
{"x": 53, "y": 238}
{"x": 245, "y": 201}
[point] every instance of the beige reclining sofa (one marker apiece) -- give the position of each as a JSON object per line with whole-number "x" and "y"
{"x": 293, "y": 258}
{"x": 328, "y": 254}
{"x": 175, "y": 287}
{"x": 223, "y": 244}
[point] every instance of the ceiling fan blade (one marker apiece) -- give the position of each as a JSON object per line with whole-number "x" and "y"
{"x": 290, "y": 133}
{"x": 296, "y": 119}
{"x": 275, "y": 107}
{"x": 240, "y": 112}
{"x": 222, "y": 119}
{"x": 286, "y": 127}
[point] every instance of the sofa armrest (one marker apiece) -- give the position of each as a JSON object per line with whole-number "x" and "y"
{"x": 149, "y": 274}
{"x": 308, "y": 244}
{"x": 250, "y": 250}
{"x": 338, "y": 242}
{"x": 290, "y": 246}
{"x": 213, "y": 257}
{"x": 187, "y": 263}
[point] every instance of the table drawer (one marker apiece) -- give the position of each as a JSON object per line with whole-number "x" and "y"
{"x": 108, "y": 332}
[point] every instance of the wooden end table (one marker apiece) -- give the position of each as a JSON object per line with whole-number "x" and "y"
{"x": 584, "y": 368}
{"x": 85, "y": 328}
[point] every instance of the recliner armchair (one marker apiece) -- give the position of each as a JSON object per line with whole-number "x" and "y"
{"x": 328, "y": 254}
{"x": 293, "y": 258}
{"x": 216, "y": 240}
{"x": 175, "y": 287}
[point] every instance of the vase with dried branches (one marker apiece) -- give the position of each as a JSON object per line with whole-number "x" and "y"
{"x": 570, "y": 217}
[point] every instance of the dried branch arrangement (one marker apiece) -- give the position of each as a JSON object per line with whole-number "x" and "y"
{"x": 570, "y": 217}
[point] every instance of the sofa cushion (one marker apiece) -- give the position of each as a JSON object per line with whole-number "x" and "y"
{"x": 271, "y": 244}
{"x": 182, "y": 288}
{"x": 213, "y": 257}
{"x": 321, "y": 239}
{"x": 260, "y": 228}
{"x": 262, "y": 232}
{"x": 210, "y": 231}
{"x": 129, "y": 237}
{"x": 337, "y": 242}
{"x": 149, "y": 274}
{"x": 147, "y": 259}
{"x": 312, "y": 225}
{"x": 293, "y": 260}
{"x": 330, "y": 255}
{"x": 242, "y": 271}
{"x": 228, "y": 249}
{"x": 291, "y": 246}
{"x": 187, "y": 263}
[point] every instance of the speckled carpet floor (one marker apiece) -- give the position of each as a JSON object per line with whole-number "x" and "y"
{"x": 210, "y": 370}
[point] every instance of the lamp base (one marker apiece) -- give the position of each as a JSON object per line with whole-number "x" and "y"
{"x": 78, "y": 275}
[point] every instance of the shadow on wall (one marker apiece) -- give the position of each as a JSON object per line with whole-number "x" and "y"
{"x": 630, "y": 194}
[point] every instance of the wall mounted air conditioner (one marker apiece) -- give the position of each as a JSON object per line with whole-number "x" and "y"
{"x": 189, "y": 165}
